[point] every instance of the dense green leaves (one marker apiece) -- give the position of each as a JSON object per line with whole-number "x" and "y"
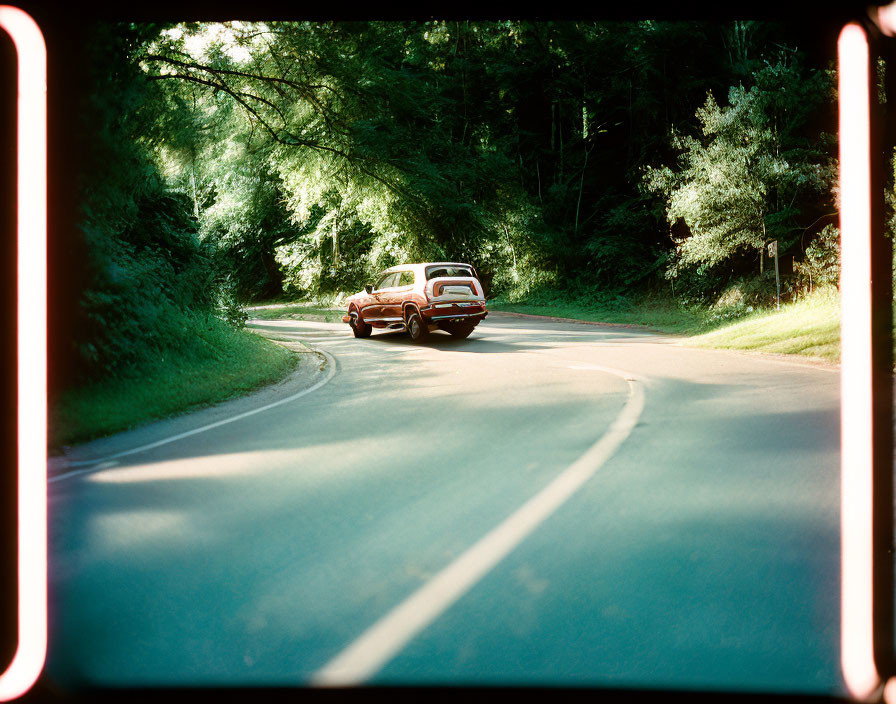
{"x": 150, "y": 281}
{"x": 753, "y": 175}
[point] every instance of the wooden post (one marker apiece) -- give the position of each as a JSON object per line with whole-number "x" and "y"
{"x": 773, "y": 251}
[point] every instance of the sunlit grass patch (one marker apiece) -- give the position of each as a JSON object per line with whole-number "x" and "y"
{"x": 222, "y": 363}
{"x": 809, "y": 327}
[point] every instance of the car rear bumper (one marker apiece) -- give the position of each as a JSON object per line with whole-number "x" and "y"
{"x": 434, "y": 315}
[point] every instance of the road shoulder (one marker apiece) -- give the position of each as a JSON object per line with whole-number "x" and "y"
{"x": 683, "y": 341}
{"x": 631, "y": 326}
{"x": 312, "y": 369}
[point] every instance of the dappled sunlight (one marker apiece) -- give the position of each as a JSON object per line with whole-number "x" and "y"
{"x": 278, "y": 324}
{"x": 562, "y": 328}
{"x": 716, "y": 498}
{"x": 241, "y": 464}
{"x": 493, "y": 337}
{"x": 125, "y": 530}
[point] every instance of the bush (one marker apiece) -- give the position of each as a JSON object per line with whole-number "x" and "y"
{"x": 146, "y": 284}
{"x": 821, "y": 265}
{"x": 227, "y": 307}
{"x": 743, "y": 296}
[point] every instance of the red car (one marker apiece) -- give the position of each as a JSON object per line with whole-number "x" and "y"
{"x": 419, "y": 298}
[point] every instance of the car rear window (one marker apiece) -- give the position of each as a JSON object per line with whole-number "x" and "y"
{"x": 437, "y": 271}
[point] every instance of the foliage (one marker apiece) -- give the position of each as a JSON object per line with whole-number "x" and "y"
{"x": 316, "y": 153}
{"x": 821, "y": 265}
{"x": 754, "y": 173}
{"x": 150, "y": 281}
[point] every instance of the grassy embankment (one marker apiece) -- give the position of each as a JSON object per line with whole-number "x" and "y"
{"x": 809, "y": 326}
{"x": 223, "y": 363}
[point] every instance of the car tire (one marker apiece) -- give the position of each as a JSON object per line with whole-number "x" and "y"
{"x": 460, "y": 330}
{"x": 416, "y": 327}
{"x": 359, "y": 327}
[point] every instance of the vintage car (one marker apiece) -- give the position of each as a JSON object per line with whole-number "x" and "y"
{"x": 419, "y": 298}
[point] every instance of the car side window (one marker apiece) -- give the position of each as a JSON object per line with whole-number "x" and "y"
{"x": 386, "y": 281}
{"x": 406, "y": 279}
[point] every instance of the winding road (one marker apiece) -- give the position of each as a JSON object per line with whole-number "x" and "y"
{"x": 543, "y": 503}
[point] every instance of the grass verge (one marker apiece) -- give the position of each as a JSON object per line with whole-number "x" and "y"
{"x": 657, "y": 314}
{"x": 809, "y": 326}
{"x": 298, "y": 311}
{"x": 220, "y": 364}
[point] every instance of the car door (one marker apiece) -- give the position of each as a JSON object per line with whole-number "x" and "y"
{"x": 373, "y": 311}
{"x": 393, "y": 298}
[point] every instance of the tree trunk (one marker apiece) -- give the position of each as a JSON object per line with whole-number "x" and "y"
{"x": 560, "y": 136}
{"x": 553, "y": 132}
{"x": 512, "y": 250}
{"x": 538, "y": 173}
{"x": 581, "y": 188}
{"x": 584, "y": 119}
{"x": 762, "y": 250}
{"x": 631, "y": 126}
{"x": 336, "y": 244}
{"x": 193, "y": 185}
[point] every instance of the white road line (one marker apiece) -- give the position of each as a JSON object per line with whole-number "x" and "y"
{"x": 587, "y": 366}
{"x": 385, "y": 638}
{"x": 104, "y": 462}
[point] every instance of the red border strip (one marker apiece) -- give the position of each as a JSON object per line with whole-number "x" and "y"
{"x": 28, "y": 661}
{"x": 856, "y": 420}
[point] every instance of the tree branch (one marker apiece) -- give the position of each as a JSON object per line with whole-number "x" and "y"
{"x": 292, "y": 140}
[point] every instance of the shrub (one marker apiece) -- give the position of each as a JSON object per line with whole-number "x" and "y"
{"x": 821, "y": 265}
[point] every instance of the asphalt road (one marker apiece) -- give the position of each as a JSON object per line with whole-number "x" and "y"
{"x": 544, "y": 503}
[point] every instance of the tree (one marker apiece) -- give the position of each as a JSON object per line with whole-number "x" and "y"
{"x": 339, "y": 148}
{"x": 756, "y": 172}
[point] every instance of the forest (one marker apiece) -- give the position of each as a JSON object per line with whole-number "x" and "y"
{"x": 239, "y": 162}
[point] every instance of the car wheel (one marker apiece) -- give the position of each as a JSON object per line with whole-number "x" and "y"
{"x": 359, "y": 327}
{"x": 461, "y": 330}
{"x": 416, "y": 327}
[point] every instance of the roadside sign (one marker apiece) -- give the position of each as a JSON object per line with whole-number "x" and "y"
{"x": 773, "y": 252}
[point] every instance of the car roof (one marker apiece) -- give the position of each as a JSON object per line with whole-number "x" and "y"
{"x": 422, "y": 265}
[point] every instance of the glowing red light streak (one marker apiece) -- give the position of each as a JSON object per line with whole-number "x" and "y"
{"x": 857, "y": 645}
{"x": 31, "y": 235}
